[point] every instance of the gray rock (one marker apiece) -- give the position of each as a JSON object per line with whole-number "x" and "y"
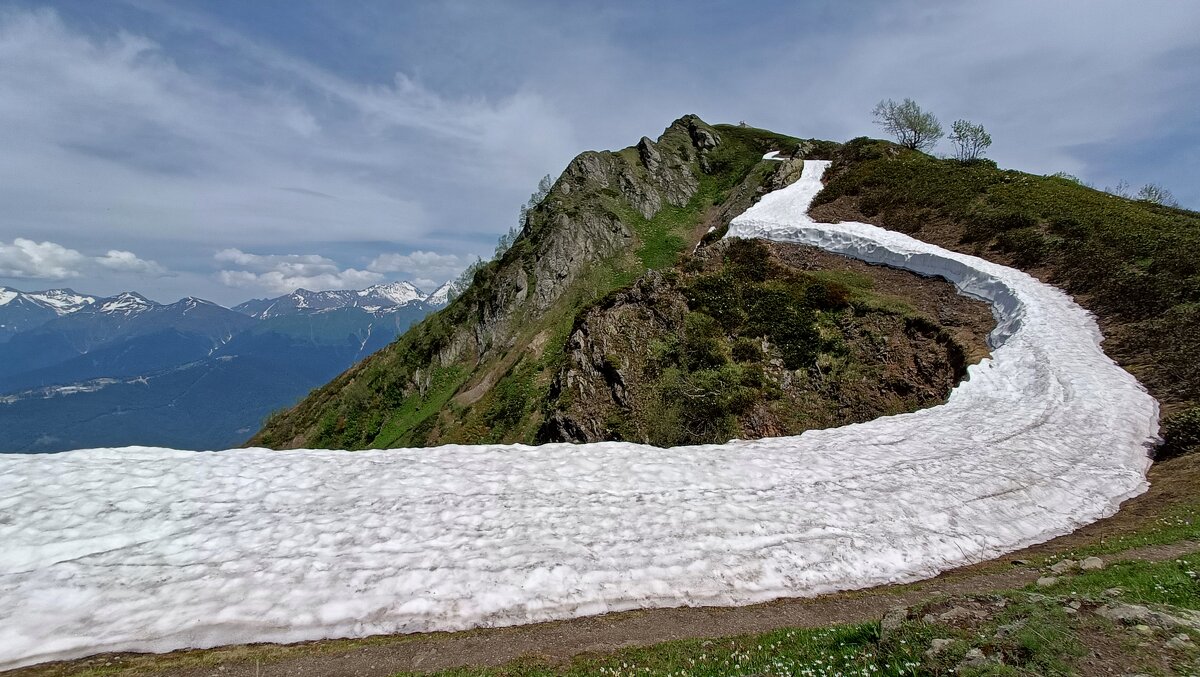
{"x": 1135, "y": 614}
{"x": 1143, "y": 629}
{"x": 1113, "y": 592}
{"x": 892, "y": 621}
{"x": 974, "y": 659}
{"x": 1092, "y": 564}
{"x": 1180, "y": 642}
{"x": 1064, "y": 566}
{"x": 1046, "y": 581}
{"x": 649, "y": 154}
{"x": 937, "y": 646}
{"x": 1008, "y": 629}
{"x": 960, "y": 613}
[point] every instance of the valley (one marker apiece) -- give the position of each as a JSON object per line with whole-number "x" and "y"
{"x": 85, "y": 371}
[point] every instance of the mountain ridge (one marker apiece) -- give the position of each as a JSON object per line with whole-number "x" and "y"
{"x": 482, "y": 370}
{"x": 475, "y": 371}
{"x": 120, "y": 369}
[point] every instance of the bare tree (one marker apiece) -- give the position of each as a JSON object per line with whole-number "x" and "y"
{"x": 912, "y": 127}
{"x": 506, "y": 240}
{"x": 969, "y": 140}
{"x": 1120, "y": 190}
{"x": 465, "y": 279}
{"x": 1157, "y": 194}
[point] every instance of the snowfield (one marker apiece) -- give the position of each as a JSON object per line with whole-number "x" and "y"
{"x": 153, "y": 549}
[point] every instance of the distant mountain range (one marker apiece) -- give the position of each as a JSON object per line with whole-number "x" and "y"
{"x": 79, "y": 370}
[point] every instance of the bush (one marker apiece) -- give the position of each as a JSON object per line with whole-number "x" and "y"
{"x": 719, "y": 297}
{"x": 748, "y": 260}
{"x": 1180, "y": 433}
{"x": 703, "y": 344}
{"x": 986, "y": 225}
{"x": 706, "y": 403}
{"x": 747, "y": 350}
{"x": 1027, "y": 245}
{"x": 827, "y": 295}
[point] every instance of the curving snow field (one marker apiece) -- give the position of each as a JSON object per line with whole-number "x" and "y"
{"x": 154, "y": 549}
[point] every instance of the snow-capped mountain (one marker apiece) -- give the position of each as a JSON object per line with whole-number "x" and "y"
{"x": 192, "y": 373}
{"x": 397, "y": 292}
{"x": 127, "y": 303}
{"x": 441, "y": 296}
{"x": 20, "y": 310}
{"x": 380, "y": 299}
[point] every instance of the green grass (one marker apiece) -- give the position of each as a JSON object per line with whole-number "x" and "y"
{"x": 1173, "y": 582}
{"x": 1178, "y": 522}
{"x": 1030, "y": 632}
{"x": 1131, "y": 262}
{"x": 844, "y": 650}
{"x": 414, "y": 411}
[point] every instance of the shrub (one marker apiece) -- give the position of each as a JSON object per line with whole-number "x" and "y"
{"x": 748, "y": 260}
{"x": 719, "y": 297}
{"x": 1180, "y": 433}
{"x": 703, "y": 344}
{"x": 827, "y": 295}
{"x": 987, "y": 224}
{"x": 747, "y": 350}
{"x": 1027, "y": 245}
{"x": 706, "y": 402}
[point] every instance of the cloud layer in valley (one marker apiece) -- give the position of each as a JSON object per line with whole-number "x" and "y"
{"x": 350, "y": 143}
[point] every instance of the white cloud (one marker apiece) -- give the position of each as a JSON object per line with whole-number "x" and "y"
{"x": 422, "y": 268}
{"x": 26, "y": 259}
{"x": 128, "y": 262}
{"x": 284, "y": 273}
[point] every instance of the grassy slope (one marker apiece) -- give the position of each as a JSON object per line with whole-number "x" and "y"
{"x": 375, "y": 405}
{"x": 1032, "y": 631}
{"x": 1133, "y": 263}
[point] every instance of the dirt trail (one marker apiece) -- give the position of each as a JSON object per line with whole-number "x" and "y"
{"x": 560, "y": 641}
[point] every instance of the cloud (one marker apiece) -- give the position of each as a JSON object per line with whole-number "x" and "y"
{"x": 353, "y": 127}
{"x": 422, "y": 268}
{"x": 128, "y": 262}
{"x": 26, "y": 259}
{"x": 284, "y": 273}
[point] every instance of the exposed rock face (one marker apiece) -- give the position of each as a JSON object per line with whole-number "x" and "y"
{"x": 622, "y": 369}
{"x": 577, "y": 226}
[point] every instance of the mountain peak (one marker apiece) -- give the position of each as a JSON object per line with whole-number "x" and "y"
{"x": 396, "y": 292}
{"x": 441, "y": 295}
{"x": 60, "y": 301}
{"x": 125, "y": 303}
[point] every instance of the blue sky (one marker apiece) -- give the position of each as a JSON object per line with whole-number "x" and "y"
{"x": 237, "y": 149}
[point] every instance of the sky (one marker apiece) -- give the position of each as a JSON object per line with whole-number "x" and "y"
{"x": 232, "y": 150}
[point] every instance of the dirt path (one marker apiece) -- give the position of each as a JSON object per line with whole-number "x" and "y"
{"x": 560, "y": 641}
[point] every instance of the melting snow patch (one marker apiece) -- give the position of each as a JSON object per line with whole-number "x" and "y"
{"x": 145, "y": 549}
